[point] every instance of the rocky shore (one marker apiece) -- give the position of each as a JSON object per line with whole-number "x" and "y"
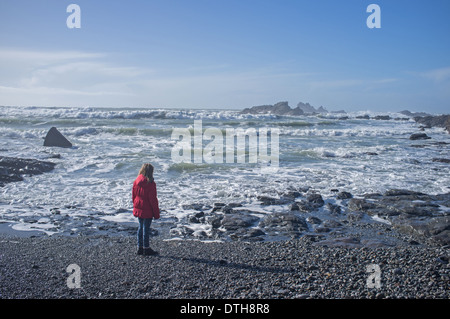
{"x": 395, "y": 218}
{"x": 110, "y": 268}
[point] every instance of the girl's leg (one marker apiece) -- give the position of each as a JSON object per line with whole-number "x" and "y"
{"x": 147, "y": 222}
{"x": 140, "y": 233}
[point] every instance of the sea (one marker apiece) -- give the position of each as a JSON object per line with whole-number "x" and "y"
{"x": 92, "y": 181}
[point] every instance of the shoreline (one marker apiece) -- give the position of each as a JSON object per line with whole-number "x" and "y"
{"x": 396, "y": 218}
{"x": 35, "y": 268}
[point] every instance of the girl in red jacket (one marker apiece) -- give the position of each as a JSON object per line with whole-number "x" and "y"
{"x": 145, "y": 207}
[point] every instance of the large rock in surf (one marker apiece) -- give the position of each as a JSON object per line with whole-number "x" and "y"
{"x": 56, "y": 139}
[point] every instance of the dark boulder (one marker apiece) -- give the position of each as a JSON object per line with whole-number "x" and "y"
{"x": 55, "y": 139}
{"x": 13, "y": 169}
{"x": 316, "y": 200}
{"x": 419, "y": 136}
{"x": 238, "y": 220}
{"x": 344, "y": 195}
{"x": 284, "y": 224}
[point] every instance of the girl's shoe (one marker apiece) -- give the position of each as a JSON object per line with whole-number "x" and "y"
{"x": 149, "y": 252}
{"x": 140, "y": 251}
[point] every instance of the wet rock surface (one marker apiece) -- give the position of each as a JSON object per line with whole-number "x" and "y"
{"x": 15, "y": 169}
{"x": 397, "y": 217}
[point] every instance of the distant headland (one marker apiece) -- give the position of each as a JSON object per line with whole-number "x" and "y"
{"x": 283, "y": 109}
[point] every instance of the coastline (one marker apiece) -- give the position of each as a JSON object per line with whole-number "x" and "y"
{"x": 35, "y": 268}
{"x": 295, "y": 243}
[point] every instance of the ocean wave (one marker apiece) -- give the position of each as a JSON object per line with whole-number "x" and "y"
{"x": 50, "y": 113}
{"x": 19, "y": 134}
{"x": 351, "y": 132}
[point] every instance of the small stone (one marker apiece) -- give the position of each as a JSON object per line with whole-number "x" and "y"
{"x": 442, "y": 259}
{"x": 344, "y": 195}
{"x": 419, "y": 136}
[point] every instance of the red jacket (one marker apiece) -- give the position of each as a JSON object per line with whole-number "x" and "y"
{"x": 145, "y": 201}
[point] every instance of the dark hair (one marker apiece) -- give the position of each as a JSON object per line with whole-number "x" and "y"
{"x": 147, "y": 171}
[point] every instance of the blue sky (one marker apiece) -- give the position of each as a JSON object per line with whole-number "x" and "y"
{"x": 226, "y": 54}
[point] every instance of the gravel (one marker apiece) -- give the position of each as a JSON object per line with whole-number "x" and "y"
{"x": 35, "y": 268}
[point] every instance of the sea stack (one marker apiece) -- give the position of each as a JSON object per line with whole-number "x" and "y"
{"x": 55, "y": 138}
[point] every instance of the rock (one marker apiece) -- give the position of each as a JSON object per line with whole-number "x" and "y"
{"x": 419, "y": 136}
{"x": 344, "y": 195}
{"x": 382, "y": 117}
{"x": 292, "y": 194}
{"x": 447, "y": 124}
{"x": 434, "y": 121}
{"x": 216, "y": 221}
{"x": 283, "y": 109}
{"x": 266, "y": 200}
{"x": 249, "y": 234}
{"x": 441, "y": 160}
{"x": 302, "y": 206}
{"x": 331, "y": 223}
{"x": 360, "y": 205}
{"x": 238, "y": 220}
{"x": 314, "y": 220}
{"x": 402, "y": 192}
{"x": 306, "y": 108}
{"x": 316, "y": 200}
{"x": 195, "y": 206}
{"x": 414, "y": 114}
{"x": 322, "y": 229}
{"x": 355, "y": 216}
{"x": 13, "y": 169}
{"x": 437, "y": 228}
{"x": 55, "y": 139}
{"x": 286, "y": 224}
{"x": 334, "y": 209}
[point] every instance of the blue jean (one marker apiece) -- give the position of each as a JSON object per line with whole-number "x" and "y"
{"x": 143, "y": 233}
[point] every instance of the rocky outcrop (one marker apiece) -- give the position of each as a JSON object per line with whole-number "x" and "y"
{"x": 434, "y": 121}
{"x": 411, "y": 212}
{"x": 447, "y": 124}
{"x": 283, "y": 109}
{"x": 414, "y": 114}
{"x": 14, "y": 169}
{"x": 56, "y": 139}
{"x": 396, "y": 217}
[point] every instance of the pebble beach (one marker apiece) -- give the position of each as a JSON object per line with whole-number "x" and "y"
{"x": 36, "y": 268}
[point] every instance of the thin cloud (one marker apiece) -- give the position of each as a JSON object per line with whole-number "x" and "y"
{"x": 437, "y": 75}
